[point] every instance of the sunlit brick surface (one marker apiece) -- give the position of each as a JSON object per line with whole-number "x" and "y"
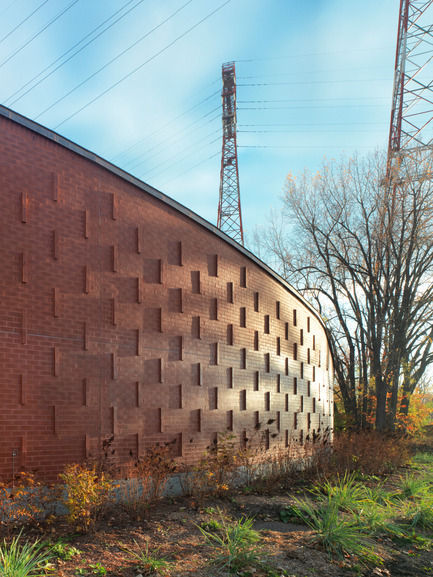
{"x": 123, "y": 314}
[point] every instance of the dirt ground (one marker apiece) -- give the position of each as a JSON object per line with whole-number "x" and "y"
{"x": 172, "y": 529}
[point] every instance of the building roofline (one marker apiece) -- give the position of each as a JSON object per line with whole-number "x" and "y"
{"x": 81, "y": 151}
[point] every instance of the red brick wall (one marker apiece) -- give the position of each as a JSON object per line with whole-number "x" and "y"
{"x": 121, "y": 314}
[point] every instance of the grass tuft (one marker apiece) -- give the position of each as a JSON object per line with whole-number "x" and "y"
{"x": 23, "y": 560}
{"x": 234, "y": 545}
{"x": 149, "y": 562}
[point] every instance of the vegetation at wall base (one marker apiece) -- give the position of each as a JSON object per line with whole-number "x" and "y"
{"x": 345, "y": 514}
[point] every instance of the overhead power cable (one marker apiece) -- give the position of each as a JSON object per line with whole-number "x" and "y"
{"x": 313, "y": 82}
{"x": 309, "y": 72}
{"x": 7, "y": 7}
{"x": 189, "y": 169}
{"x": 162, "y": 127}
{"x": 182, "y": 160}
{"x": 319, "y": 124}
{"x": 339, "y": 146}
{"x": 308, "y": 55}
{"x": 114, "y": 59}
{"x": 182, "y": 132}
{"x": 40, "y": 32}
{"x": 309, "y": 100}
{"x": 22, "y": 21}
{"x": 182, "y": 151}
{"x": 311, "y": 107}
{"x": 304, "y": 131}
{"x": 70, "y": 50}
{"x": 144, "y": 63}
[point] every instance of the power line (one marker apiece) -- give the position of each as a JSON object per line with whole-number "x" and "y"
{"x": 314, "y": 82}
{"x": 144, "y": 63}
{"x": 303, "y": 131}
{"x": 172, "y": 15}
{"x": 40, "y": 32}
{"x": 7, "y": 7}
{"x": 310, "y": 54}
{"x": 22, "y": 21}
{"x": 74, "y": 54}
{"x": 312, "y": 107}
{"x": 320, "y": 124}
{"x": 191, "y": 168}
{"x": 184, "y": 135}
{"x": 182, "y": 151}
{"x": 309, "y": 72}
{"x": 310, "y": 100}
{"x": 160, "y": 128}
{"x": 339, "y": 146}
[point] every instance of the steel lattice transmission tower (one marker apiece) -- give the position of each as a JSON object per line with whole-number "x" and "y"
{"x": 229, "y": 205}
{"x": 411, "y": 129}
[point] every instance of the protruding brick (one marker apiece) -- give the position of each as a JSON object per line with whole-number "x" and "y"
{"x": 24, "y": 327}
{"x": 55, "y": 186}
{"x": 24, "y": 267}
{"x": 24, "y": 203}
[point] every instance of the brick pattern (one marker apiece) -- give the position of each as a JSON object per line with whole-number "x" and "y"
{"x": 122, "y": 316}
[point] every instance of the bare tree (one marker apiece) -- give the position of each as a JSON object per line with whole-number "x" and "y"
{"x": 362, "y": 249}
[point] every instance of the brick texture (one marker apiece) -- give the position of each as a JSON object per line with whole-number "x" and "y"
{"x": 122, "y": 314}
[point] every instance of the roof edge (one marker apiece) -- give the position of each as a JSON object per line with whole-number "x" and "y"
{"x": 76, "y": 148}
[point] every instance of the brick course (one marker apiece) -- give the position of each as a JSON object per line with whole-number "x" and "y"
{"x": 123, "y": 313}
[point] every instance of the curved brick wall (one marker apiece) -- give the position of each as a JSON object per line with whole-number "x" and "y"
{"x": 124, "y": 314}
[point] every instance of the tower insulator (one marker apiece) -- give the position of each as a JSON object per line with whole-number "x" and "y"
{"x": 411, "y": 129}
{"x": 229, "y": 205}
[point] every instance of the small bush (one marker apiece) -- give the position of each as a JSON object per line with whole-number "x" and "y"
{"x": 369, "y": 452}
{"x": 87, "y": 495}
{"x": 217, "y": 471}
{"x": 145, "y": 479}
{"x": 29, "y": 501}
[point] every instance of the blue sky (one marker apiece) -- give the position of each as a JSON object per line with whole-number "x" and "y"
{"x": 314, "y": 78}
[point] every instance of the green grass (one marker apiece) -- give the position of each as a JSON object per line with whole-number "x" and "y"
{"x": 423, "y": 459}
{"x": 415, "y": 486}
{"x": 337, "y": 533}
{"x": 149, "y": 562}
{"x": 345, "y": 515}
{"x": 93, "y": 569}
{"x": 63, "y": 551}
{"x": 345, "y": 493}
{"x": 234, "y": 545}
{"x": 211, "y": 525}
{"x": 24, "y": 560}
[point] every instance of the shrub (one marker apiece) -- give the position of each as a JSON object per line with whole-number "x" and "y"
{"x": 217, "y": 471}
{"x": 145, "y": 479}
{"x": 87, "y": 495}
{"x": 369, "y": 452}
{"x": 30, "y": 500}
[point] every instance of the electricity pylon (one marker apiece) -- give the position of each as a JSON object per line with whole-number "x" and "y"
{"x": 229, "y": 205}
